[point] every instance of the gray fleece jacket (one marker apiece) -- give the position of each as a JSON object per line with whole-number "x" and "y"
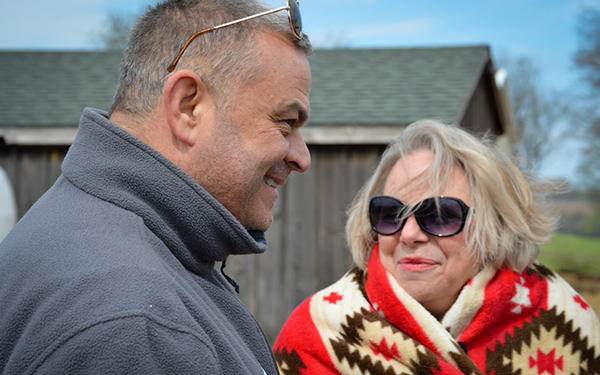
{"x": 112, "y": 270}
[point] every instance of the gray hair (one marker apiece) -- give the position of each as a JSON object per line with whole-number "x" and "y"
{"x": 512, "y": 213}
{"x": 224, "y": 59}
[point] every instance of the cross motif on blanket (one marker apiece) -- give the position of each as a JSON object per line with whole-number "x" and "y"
{"x": 546, "y": 362}
{"x": 384, "y": 349}
{"x": 333, "y": 298}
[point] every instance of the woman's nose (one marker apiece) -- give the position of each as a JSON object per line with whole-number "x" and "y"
{"x": 412, "y": 233}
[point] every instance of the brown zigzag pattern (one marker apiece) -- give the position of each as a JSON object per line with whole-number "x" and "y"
{"x": 289, "y": 363}
{"x": 353, "y": 323}
{"x": 360, "y": 278}
{"x": 424, "y": 364}
{"x": 357, "y": 275}
{"x": 549, "y": 320}
{"x": 542, "y": 271}
{"x": 342, "y": 351}
{"x": 464, "y": 363}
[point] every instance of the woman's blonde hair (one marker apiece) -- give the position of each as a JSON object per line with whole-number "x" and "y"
{"x": 512, "y": 217}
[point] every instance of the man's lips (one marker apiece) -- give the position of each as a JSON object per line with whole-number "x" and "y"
{"x": 416, "y": 264}
{"x": 277, "y": 175}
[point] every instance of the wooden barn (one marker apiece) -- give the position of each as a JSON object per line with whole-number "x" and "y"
{"x": 360, "y": 99}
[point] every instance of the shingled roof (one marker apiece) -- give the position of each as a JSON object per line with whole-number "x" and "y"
{"x": 393, "y": 86}
{"x": 372, "y": 90}
{"x": 44, "y": 89}
{"x": 350, "y": 86}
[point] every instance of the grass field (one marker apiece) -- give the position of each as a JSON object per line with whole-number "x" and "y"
{"x": 575, "y": 254}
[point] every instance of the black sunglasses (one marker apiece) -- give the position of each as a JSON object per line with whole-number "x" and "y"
{"x": 293, "y": 8}
{"x": 441, "y": 216}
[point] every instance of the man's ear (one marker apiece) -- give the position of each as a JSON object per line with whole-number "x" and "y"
{"x": 187, "y": 100}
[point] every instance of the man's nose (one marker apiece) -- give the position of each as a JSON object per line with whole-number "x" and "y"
{"x": 298, "y": 157}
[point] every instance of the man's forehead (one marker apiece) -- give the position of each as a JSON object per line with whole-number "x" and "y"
{"x": 278, "y": 51}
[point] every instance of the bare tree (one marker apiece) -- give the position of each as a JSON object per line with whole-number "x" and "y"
{"x": 587, "y": 60}
{"x": 538, "y": 112}
{"x": 115, "y": 31}
{"x": 587, "y": 57}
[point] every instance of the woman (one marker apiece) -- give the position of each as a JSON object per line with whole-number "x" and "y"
{"x": 445, "y": 235}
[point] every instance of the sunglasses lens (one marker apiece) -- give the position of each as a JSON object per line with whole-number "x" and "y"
{"x": 444, "y": 218}
{"x": 384, "y": 213}
{"x": 295, "y": 18}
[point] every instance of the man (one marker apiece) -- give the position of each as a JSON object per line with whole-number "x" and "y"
{"x": 112, "y": 270}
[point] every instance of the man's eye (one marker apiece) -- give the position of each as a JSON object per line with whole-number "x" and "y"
{"x": 286, "y": 126}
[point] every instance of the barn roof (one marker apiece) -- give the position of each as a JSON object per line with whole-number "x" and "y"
{"x": 362, "y": 88}
{"x": 393, "y": 86}
{"x": 44, "y": 89}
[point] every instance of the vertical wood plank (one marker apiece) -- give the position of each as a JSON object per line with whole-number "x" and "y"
{"x": 300, "y": 243}
{"x": 56, "y": 157}
{"x": 269, "y": 276}
{"x": 331, "y": 214}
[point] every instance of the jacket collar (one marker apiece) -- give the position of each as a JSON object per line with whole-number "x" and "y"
{"x": 111, "y": 164}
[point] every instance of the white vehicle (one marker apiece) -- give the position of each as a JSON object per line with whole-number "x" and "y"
{"x": 8, "y": 206}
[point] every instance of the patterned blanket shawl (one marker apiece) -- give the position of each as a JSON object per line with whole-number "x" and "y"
{"x": 502, "y": 323}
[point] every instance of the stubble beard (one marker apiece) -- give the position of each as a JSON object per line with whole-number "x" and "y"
{"x": 226, "y": 172}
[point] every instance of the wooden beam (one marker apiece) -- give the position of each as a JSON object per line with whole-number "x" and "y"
{"x": 350, "y": 135}
{"x": 38, "y": 136}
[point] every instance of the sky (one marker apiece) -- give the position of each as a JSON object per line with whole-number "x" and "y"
{"x": 542, "y": 30}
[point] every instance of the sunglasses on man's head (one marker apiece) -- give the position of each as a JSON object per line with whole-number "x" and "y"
{"x": 441, "y": 216}
{"x": 294, "y": 18}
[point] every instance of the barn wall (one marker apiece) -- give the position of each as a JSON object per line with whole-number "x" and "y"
{"x": 482, "y": 112}
{"x": 306, "y": 245}
{"x": 32, "y": 170}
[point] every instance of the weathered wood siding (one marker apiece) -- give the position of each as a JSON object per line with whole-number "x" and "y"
{"x": 31, "y": 170}
{"x": 482, "y": 113}
{"x": 307, "y": 249}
